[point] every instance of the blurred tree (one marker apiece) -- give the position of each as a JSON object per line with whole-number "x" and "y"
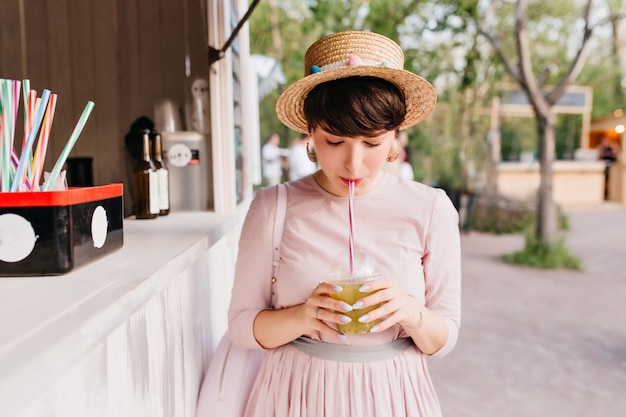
{"x": 532, "y": 70}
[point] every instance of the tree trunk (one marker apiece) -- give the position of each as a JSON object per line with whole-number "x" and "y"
{"x": 493, "y": 150}
{"x": 277, "y": 44}
{"x": 547, "y": 213}
{"x": 617, "y": 46}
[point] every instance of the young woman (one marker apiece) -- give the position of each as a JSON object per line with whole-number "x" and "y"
{"x": 353, "y": 101}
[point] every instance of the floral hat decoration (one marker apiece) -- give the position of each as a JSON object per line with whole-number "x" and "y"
{"x": 355, "y": 53}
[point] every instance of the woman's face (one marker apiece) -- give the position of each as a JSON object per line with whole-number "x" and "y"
{"x": 343, "y": 159}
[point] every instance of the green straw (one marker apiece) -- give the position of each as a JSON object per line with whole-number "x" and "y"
{"x": 69, "y": 146}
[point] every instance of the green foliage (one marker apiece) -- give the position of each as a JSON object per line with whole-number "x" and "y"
{"x": 567, "y": 135}
{"x": 519, "y": 134}
{"x": 539, "y": 254}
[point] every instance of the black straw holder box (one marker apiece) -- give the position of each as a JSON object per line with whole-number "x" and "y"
{"x": 53, "y": 232}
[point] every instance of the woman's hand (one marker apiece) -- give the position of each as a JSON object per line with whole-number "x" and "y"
{"x": 320, "y": 309}
{"x": 397, "y": 307}
{"x": 428, "y": 329}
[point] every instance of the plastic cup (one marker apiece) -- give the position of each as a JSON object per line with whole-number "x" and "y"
{"x": 365, "y": 269}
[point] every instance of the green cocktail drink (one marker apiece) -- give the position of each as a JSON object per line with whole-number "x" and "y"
{"x": 351, "y": 295}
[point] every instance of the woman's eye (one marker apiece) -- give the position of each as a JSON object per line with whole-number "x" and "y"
{"x": 333, "y": 143}
{"x": 373, "y": 145}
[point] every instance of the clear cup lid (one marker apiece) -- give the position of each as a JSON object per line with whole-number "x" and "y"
{"x": 364, "y": 265}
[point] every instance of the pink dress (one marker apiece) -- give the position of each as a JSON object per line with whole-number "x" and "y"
{"x": 412, "y": 230}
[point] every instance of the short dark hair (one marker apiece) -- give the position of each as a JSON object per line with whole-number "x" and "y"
{"x": 355, "y": 106}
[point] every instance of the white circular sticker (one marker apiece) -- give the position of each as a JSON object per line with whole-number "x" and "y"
{"x": 17, "y": 238}
{"x": 99, "y": 227}
{"x": 179, "y": 155}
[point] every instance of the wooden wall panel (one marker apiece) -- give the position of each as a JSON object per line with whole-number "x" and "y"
{"x": 61, "y": 78}
{"x": 10, "y": 55}
{"x": 109, "y": 143}
{"x": 197, "y": 43}
{"x": 37, "y": 46}
{"x": 82, "y": 59}
{"x": 130, "y": 93}
{"x": 173, "y": 50}
{"x": 150, "y": 57}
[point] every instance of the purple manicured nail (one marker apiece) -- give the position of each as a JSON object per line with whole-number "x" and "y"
{"x": 374, "y": 329}
{"x": 364, "y": 318}
{"x": 337, "y": 288}
{"x": 345, "y": 319}
{"x": 346, "y": 307}
{"x": 357, "y": 305}
{"x": 364, "y": 288}
{"x": 341, "y": 336}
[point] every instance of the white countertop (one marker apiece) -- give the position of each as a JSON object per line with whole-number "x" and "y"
{"x": 47, "y": 323}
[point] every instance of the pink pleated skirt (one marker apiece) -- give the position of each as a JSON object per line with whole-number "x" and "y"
{"x": 293, "y": 383}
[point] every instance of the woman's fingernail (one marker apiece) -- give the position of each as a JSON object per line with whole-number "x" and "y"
{"x": 341, "y": 336}
{"x": 346, "y": 307}
{"x": 364, "y": 288}
{"x": 337, "y": 288}
{"x": 345, "y": 319}
{"x": 374, "y": 329}
{"x": 364, "y": 318}
{"x": 358, "y": 304}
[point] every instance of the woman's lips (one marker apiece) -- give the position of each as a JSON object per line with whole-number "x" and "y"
{"x": 347, "y": 181}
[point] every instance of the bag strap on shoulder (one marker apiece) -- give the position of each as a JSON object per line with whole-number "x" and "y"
{"x": 279, "y": 223}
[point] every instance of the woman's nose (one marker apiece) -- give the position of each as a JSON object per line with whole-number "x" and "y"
{"x": 353, "y": 159}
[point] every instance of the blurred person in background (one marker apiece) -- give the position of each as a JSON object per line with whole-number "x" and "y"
{"x": 299, "y": 163}
{"x": 608, "y": 151}
{"x": 271, "y": 157}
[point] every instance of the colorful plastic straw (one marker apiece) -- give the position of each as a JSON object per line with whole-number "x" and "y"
{"x": 6, "y": 145}
{"x": 351, "y": 216}
{"x": 28, "y": 114}
{"x": 15, "y": 160}
{"x": 42, "y": 144}
{"x": 24, "y": 157}
{"x": 69, "y": 146}
{"x": 29, "y": 111}
{"x": 15, "y": 104}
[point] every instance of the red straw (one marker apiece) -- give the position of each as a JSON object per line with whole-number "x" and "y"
{"x": 351, "y": 216}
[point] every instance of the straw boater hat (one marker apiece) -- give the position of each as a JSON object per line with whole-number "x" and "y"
{"x": 354, "y": 53}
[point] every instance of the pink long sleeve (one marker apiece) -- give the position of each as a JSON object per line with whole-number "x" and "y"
{"x": 410, "y": 228}
{"x": 253, "y": 273}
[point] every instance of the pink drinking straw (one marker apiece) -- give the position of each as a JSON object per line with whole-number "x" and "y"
{"x": 351, "y": 216}
{"x": 29, "y": 97}
{"x": 42, "y": 145}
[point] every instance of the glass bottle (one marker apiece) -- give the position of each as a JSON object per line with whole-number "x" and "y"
{"x": 145, "y": 184}
{"x": 163, "y": 175}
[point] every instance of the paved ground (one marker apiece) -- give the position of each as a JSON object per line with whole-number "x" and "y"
{"x": 540, "y": 342}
